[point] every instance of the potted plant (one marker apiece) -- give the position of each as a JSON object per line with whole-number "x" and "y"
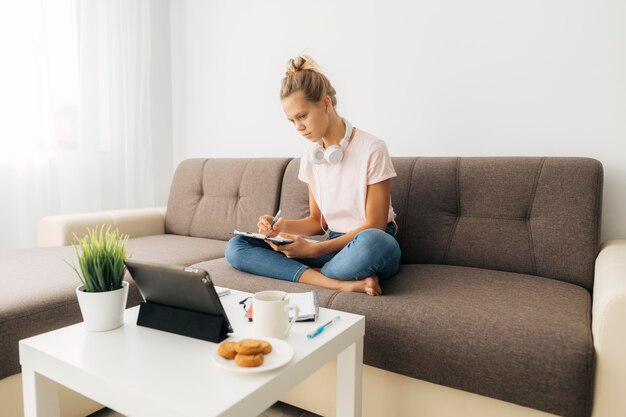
{"x": 103, "y": 293}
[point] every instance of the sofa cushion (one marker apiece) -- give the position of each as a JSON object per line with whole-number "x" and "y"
{"x": 294, "y": 194}
{"x": 38, "y": 295}
{"x": 538, "y": 216}
{"x": 518, "y": 338}
{"x": 211, "y": 197}
{"x": 174, "y": 249}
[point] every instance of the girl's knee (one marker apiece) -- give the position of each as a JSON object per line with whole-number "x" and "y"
{"x": 378, "y": 243}
{"x": 376, "y": 237}
{"x": 234, "y": 250}
{"x": 371, "y": 233}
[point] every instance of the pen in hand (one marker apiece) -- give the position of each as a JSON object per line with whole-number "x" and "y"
{"x": 321, "y": 328}
{"x": 276, "y": 217}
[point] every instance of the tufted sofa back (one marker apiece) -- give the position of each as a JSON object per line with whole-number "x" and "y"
{"x": 210, "y": 198}
{"x": 538, "y": 216}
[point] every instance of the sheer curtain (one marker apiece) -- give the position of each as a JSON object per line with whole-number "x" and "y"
{"x": 75, "y": 127}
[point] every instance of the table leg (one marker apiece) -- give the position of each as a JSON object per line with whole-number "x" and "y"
{"x": 41, "y": 395}
{"x": 350, "y": 380}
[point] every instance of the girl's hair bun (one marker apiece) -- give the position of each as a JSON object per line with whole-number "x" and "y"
{"x": 301, "y": 63}
{"x": 304, "y": 75}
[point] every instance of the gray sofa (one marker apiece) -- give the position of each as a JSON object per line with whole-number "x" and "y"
{"x": 494, "y": 296}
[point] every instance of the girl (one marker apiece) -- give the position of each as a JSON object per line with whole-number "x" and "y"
{"x": 348, "y": 173}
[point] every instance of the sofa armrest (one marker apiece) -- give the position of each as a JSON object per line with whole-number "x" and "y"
{"x": 59, "y": 230}
{"x": 609, "y": 329}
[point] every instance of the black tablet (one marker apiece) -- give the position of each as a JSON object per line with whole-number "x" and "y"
{"x": 177, "y": 286}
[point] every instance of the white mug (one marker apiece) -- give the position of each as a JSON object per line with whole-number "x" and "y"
{"x": 271, "y": 314}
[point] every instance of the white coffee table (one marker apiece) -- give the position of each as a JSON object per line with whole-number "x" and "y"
{"x": 138, "y": 371}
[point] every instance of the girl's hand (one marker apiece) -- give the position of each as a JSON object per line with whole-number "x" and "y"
{"x": 300, "y": 248}
{"x": 265, "y": 225}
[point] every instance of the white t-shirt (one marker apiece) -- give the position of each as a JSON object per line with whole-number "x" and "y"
{"x": 340, "y": 189}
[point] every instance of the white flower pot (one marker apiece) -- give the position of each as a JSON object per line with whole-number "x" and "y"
{"x": 103, "y": 311}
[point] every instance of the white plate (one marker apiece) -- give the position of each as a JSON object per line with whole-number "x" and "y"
{"x": 281, "y": 354}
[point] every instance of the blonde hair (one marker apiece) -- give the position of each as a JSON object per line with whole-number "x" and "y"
{"x": 304, "y": 75}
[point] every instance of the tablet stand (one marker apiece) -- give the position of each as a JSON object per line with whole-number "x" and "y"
{"x": 204, "y": 326}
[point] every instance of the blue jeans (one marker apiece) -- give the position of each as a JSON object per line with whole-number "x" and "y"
{"x": 372, "y": 251}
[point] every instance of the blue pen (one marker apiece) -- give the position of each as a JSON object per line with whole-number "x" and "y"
{"x": 323, "y": 327}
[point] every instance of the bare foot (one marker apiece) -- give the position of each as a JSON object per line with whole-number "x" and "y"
{"x": 372, "y": 287}
{"x": 368, "y": 285}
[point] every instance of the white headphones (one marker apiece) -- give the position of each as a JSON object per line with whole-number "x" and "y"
{"x": 334, "y": 153}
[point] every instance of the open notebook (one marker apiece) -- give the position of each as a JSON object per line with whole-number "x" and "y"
{"x": 307, "y": 304}
{"x": 308, "y": 309}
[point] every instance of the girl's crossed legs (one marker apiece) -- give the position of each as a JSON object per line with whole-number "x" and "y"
{"x": 373, "y": 254}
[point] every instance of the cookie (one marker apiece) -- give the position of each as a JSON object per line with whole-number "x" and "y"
{"x": 249, "y": 347}
{"x": 267, "y": 347}
{"x": 227, "y": 350}
{"x": 249, "y": 361}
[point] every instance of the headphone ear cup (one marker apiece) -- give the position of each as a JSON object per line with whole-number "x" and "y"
{"x": 334, "y": 154}
{"x": 317, "y": 155}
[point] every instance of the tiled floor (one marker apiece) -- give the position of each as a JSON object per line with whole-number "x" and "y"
{"x": 277, "y": 410}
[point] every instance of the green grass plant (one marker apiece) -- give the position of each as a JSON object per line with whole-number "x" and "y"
{"x": 101, "y": 254}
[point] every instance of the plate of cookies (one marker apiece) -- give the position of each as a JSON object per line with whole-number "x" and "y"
{"x": 252, "y": 355}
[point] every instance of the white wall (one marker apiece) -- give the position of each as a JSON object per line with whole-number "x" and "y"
{"x": 441, "y": 78}
{"x": 161, "y": 104}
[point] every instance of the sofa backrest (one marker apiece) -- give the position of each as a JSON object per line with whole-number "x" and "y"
{"x": 538, "y": 216}
{"x": 211, "y": 197}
